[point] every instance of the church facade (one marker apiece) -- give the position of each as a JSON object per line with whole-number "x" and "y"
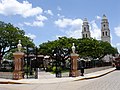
{"x": 105, "y": 31}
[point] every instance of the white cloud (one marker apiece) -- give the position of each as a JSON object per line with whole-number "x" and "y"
{"x": 49, "y": 12}
{"x": 118, "y": 44}
{"x": 27, "y": 23}
{"x": 13, "y": 7}
{"x": 117, "y": 30}
{"x": 95, "y": 30}
{"x": 98, "y": 17}
{"x": 20, "y": 24}
{"x": 75, "y": 33}
{"x": 60, "y": 16}
{"x": 59, "y": 8}
{"x": 35, "y": 24}
{"x": 32, "y": 36}
{"x": 62, "y": 23}
{"x": 41, "y": 18}
{"x": 72, "y": 27}
{"x": 39, "y": 22}
{"x": 65, "y": 22}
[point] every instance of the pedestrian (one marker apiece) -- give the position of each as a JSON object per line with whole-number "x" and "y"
{"x": 82, "y": 71}
{"x": 82, "y": 67}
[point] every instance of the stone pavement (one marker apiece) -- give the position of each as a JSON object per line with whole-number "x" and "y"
{"x": 46, "y": 77}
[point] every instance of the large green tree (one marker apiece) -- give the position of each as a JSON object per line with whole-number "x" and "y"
{"x": 89, "y": 48}
{"x": 85, "y": 47}
{"x": 61, "y": 42}
{"x": 107, "y": 49}
{"x": 94, "y": 48}
{"x": 9, "y": 36}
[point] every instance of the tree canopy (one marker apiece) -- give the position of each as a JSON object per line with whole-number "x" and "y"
{"x": 85, "y": 47}
{"x": 9, "y": 36}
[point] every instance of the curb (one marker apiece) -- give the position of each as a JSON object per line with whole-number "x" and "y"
{"x": 95, "y": 76}
{"x": 84, "y": 78}
{"x": 8, "y": 82}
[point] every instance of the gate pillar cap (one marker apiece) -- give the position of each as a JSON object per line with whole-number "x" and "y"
{"x": 74, "y": 54}
{"x": 18, "y": 53}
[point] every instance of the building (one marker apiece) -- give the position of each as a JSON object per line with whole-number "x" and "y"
{"x": 85, "y": 29}
{"x": 105, "y": 31}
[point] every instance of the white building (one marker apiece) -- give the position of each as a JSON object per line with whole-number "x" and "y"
{"x": 105, "y": 31}
{"x": 85, "y": 29}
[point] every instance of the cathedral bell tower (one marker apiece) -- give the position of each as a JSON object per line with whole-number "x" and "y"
{"x": 105, "y": 32}
{"x": 85, "y": 29}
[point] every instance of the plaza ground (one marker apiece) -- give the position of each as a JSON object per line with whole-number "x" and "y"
{"x": 46, "y": 77}
{"x": 107, "y": 82}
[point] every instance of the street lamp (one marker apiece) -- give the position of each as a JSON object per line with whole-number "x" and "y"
{"x": 0, "y": 52}
{"x": 57, "y": 55}
{"x": 28, "y": 65}
{"x": 27, "y": 61}
{"x": 36, "y": 68}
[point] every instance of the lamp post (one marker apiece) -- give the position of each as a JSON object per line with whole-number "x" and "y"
{"x": 36, "y": 68}
{"x": 27, "y": 61}
{"x": 57, "y": 55}
{"x": 0, "y": 52}
{"x": 60, "y": 55}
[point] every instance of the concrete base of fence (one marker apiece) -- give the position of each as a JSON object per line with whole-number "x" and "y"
{"x": 6, "y": 75}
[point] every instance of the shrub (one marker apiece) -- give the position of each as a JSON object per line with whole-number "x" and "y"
{"x": 54, "y": 69}
{"x": 49, "y": 68}
{"x": 59, "y": 69}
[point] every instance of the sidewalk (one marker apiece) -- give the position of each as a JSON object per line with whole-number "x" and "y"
{"x": 46, "y": 77}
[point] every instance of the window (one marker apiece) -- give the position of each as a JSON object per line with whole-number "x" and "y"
{"x": 106, "y": 33}
{"x": 103, "y": 33}
{"x": 84, "y": 29}
{"x": 83, "y": 36}
{"x": 104, "y": 25}
{"x": 86, "y": 35}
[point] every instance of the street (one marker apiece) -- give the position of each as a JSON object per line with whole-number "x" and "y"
{"x": 110, "y": 81}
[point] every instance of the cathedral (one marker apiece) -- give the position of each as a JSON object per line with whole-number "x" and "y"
{"x": 105, "y": 31}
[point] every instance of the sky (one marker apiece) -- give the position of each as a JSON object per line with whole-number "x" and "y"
{"x": 46, "y": 20}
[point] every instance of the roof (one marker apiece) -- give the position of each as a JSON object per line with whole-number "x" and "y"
{"x": 104, "y": 16}
{"x": 85, "y": 20}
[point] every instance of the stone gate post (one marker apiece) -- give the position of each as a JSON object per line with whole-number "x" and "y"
{"x": 18, "y": 63}
{"x": 74, "y": 65}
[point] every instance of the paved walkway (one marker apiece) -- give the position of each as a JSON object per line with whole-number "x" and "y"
{"x": 89, "y": 70}
{"x": 46, "y": 77}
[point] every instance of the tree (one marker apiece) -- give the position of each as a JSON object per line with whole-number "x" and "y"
{"x": 107, "y": 49}
{"x": 85, "y": 47}
{"x": 89, "y": 48}
{"x": 62, "y": 42}
{"x": 9, "y": 36}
